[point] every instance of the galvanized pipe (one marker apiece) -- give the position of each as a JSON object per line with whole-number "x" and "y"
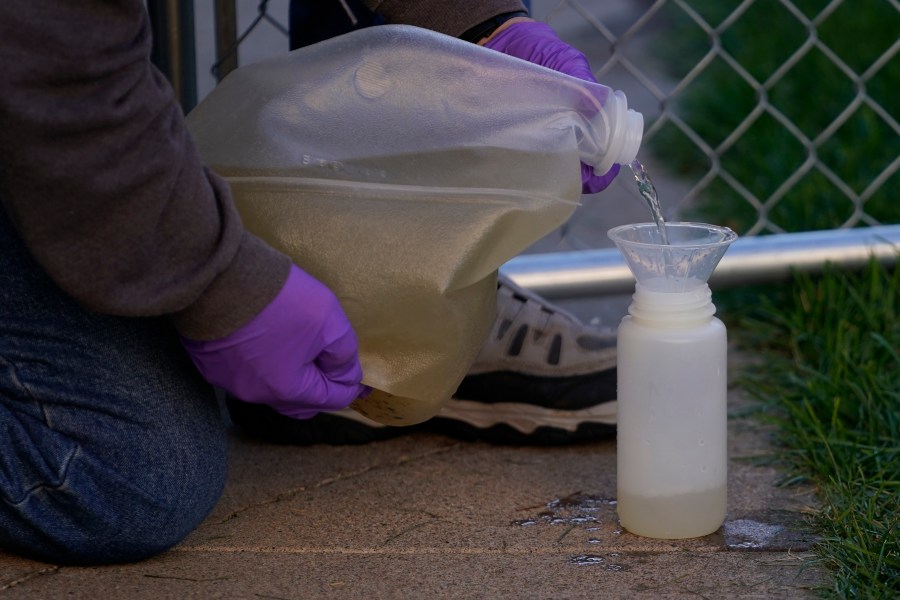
{"x": 756, "y": 259}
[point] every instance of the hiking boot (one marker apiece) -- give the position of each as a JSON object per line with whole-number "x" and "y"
{"x": 542, "y": 377}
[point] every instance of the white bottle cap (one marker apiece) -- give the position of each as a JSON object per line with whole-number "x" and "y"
{"x": 625, "y": 129}
{"x": 634, "y": 133}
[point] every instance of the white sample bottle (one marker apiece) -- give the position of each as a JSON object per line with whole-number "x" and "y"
{"x": 672, "y": 420}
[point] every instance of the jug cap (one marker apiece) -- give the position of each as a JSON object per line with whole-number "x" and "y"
{"x": 625, "y": 129}
{"x": 634, "y": 131}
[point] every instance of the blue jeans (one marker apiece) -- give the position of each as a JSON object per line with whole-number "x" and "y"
{"x": 112, "y": 448}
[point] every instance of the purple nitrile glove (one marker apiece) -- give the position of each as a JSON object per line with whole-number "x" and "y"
{"x": 299, "y": 355}
{"x": 538, "y": 43}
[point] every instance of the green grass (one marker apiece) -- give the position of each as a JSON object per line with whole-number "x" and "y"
{"x": 830, "y": 376}
{"x": 831, "y": 381}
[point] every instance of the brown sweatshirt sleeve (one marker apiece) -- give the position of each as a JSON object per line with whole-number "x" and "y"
{"x": 451, "y": 18}
{"x": 103, "y": 181}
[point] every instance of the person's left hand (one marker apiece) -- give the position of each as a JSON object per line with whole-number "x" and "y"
{"x": 538, "y": 43}
{"x": 299, "y": 355}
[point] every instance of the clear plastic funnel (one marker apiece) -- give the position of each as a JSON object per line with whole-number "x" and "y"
{"x": 686, "y": 263}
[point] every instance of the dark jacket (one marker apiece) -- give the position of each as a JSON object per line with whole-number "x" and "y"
{"x": 103, "y": 182}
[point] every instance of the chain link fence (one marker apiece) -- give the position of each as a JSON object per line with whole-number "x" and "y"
{"x": 631, "y": 45}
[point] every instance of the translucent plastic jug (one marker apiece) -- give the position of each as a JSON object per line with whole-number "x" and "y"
{"x": 402, "y": 167}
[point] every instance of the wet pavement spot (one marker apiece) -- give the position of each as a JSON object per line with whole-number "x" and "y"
{"x": 593, "y": 560}
{"x": 772, "y": 531}
{"x": 585, "y": 512}
{"x": 575, "y": 509}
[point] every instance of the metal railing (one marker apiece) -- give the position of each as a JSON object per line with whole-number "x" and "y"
{"x": 619, "y": 38}
{"x": 753, "y": 259}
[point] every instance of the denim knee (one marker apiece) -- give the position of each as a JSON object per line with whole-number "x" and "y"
{"x": 103, "y": 513}
{"x": 112, "y": 447}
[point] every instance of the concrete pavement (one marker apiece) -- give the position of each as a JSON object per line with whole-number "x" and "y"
{"x": 426, "y": 516}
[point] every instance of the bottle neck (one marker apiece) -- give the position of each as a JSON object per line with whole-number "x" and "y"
{"x": 615, "y": 137}
{"x": 672, "y": 309}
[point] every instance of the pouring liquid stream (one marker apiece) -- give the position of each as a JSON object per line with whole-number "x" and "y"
{"x": 648, "y": 192}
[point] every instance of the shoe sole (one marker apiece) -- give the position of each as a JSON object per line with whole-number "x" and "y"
{"x": 513, "y": 408}
{"x": 527, "y": 418}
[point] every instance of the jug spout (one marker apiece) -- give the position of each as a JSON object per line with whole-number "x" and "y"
{"x": 614, "y": 136}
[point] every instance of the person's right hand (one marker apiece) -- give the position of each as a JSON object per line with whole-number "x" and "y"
{"x": 299, "y": 355}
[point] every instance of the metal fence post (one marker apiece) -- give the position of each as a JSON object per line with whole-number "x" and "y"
{"x": 174, "y": 51}
{"x": 226, "y": 38}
